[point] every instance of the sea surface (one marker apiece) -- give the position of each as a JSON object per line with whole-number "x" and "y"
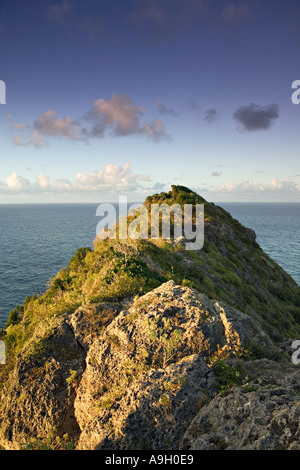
{"x": 38, "y": 240}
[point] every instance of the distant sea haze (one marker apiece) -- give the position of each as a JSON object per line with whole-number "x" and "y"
{"x": 38, "y": 240}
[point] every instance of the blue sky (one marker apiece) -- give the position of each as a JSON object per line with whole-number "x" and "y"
{"x": 105, "y": 98}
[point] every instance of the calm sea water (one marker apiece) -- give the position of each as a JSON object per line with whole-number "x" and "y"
{"x": 277, "y": 228}
{"x": 36, "y": 241}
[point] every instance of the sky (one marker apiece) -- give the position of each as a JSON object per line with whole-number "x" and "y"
{"x": 107, "y": 98}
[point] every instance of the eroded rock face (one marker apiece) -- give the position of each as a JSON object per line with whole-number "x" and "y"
{"x": 265, "y": 419}
{"x": 146, "y": 375}
{"x": 38, "y": 396}
{"x": 150, "y": 414}
{"x": 140, "y": 381}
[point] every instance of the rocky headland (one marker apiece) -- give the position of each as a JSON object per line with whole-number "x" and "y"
{"x": 142, "y": 344}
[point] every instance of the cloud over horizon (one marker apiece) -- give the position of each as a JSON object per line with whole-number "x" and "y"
{"x": 121, "y": 178}
{"x": 275, "y": 186}
{"x": 113, "y": 177}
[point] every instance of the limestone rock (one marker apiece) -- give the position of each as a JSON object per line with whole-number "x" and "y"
{"x": 139, "y": 381}
{"x": 262, "y": 419}
{"x": 38, "y": 397}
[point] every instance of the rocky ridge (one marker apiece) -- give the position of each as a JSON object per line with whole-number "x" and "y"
{"x": 144, "y": 345}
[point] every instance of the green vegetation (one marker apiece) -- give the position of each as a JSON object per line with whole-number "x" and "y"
{"x": 231, "y": 268}
{"x": 175, "y": 385}
{"x": 166, "y": 342}
{"x": 53, "y": 442}
{"x": 227, "y": 376}
{"x": 15, "y": 316}
{"x": 71, "y": 379}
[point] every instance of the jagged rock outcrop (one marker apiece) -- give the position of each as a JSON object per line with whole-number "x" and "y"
{"x": 266, "y": 418}
{"x": 38, "y": 397}
{"x": 139, "y": 383}
{"x": 147, "y": 370}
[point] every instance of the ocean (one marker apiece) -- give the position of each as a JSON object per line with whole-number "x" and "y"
{"x": 38, "y": 240}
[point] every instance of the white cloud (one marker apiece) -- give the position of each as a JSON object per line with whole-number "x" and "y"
{"x": 119, "y": 114}
{"x": 275, "y": 186}
{"x": 19, "y": 141}
{"x": 15, "y": 182}
{"x": 117, "y": 117}
{"x": 19, "y": 125}
{"x": 155, "y": 131}
{"x": 48, "y": 123}
{"x": 121, "y": 117}
{"x": 42, "y": 181}
{"x": 113, "y": 178}
{"x": 33, "y": 138}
